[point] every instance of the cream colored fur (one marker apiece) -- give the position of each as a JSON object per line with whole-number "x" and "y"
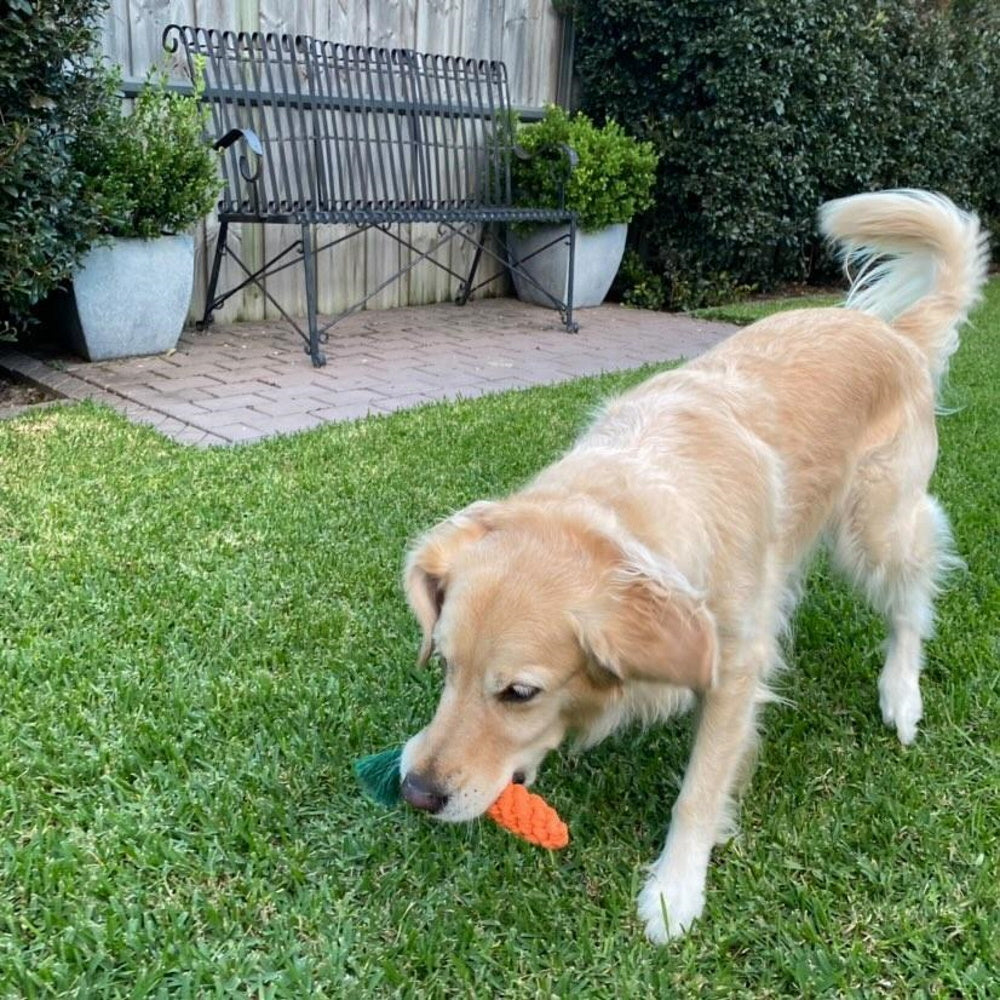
{"x": 656, "y": 563}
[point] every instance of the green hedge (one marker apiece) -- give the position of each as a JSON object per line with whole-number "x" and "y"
{"x": 762, "y": 109}
{"x": 49, "y": 87}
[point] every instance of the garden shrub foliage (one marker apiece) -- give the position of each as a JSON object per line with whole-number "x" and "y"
{"x": 612, "y": 179}
{"x": 152, "y": 168}
{"x": 763, "y": 109}
{"x": 73, "y": 169}
{"x": 49, "y": 86}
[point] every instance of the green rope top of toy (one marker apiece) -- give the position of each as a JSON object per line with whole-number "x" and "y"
{"x": 379, "y": 776}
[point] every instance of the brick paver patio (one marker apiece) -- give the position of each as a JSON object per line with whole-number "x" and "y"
{"x": 244, "y": 382}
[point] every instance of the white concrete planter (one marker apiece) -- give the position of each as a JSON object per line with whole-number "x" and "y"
{"x": 598, "y": 255}
{"x": 132, "y": 297}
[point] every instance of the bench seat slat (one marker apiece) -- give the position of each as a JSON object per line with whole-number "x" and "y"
{"x": 294, "y": 215}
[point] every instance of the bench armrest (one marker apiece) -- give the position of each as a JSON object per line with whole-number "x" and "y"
{"x": 256, "y": 147}
{"x": 572, "y": 159}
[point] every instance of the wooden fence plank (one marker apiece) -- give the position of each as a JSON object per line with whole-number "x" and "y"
{"x": 481, "y": 37}
{"x": 342, "y": 269}
{"x": 437, "y": 28}
{"x": 288, "y": 287}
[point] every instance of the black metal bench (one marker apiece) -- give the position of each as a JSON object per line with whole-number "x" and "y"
{"x": 318, "y": 132}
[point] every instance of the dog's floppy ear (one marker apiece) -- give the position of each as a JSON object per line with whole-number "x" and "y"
{"x": 425, "y": 577}
{"x": 640, "y": 628}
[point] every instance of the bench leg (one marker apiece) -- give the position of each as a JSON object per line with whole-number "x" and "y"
{"x": 466, "y": 287}
{"x": 213, "y": 281}
{"x": 571, "y": 325}
{"x": 309, "y": 259}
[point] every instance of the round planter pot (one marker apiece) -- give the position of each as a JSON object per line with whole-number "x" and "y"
{"x": 598, "y": 255}
{"x": 132, "y": 297}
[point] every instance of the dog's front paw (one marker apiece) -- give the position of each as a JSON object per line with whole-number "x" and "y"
{"x": 901, "y": 704}
{"x": 668, "y": 908}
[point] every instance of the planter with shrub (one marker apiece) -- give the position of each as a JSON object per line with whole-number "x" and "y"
{"x": 155, "y": 176}
{"x": 609, "y": 182}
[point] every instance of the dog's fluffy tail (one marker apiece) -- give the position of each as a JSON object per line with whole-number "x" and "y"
{"x": 915, "y": 260}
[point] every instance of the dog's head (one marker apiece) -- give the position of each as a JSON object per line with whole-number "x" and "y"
{"x": 540, "y": 619}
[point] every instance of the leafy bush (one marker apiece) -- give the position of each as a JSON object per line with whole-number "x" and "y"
{"x": 611, "y": 182}
{"x": 152, "y": 169}
{"x": 637, "y": 285}
{"x": 49, "y": 86}
{"x": 762, "y": 110}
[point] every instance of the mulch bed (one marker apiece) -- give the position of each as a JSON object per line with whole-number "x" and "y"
{"x": 16, "y": 393}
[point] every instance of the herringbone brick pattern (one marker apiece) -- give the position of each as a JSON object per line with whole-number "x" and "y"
{"x": 248, "y": 381}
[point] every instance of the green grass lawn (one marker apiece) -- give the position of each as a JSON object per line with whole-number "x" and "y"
{"x": 749, "y": 311}
{"x": 195, "y": 645}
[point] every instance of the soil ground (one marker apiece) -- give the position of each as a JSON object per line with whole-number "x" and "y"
{"x": 15, "y": 393}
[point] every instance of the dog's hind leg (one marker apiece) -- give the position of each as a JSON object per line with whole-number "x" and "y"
{"x": 893, "y": 541}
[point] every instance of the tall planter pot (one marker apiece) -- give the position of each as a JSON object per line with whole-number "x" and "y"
{"x": 598, "y": 255}
{"x": 132, "y": 297}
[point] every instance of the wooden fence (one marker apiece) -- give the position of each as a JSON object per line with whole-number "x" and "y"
{"x": 526, "y": 34}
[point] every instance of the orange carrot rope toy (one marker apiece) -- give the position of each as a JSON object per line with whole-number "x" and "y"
{"x": 530, "y": 817}
{"x": 523, "y": 813}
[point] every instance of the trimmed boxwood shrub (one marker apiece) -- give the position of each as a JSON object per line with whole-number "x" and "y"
{"x": 49, "y": 86}
{"x": 612, "y": 179}
{"x": 152, "y": 168}
{"x": 761, "y": 110}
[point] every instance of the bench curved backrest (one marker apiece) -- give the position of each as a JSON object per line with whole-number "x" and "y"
{"x": 351, "y": 132}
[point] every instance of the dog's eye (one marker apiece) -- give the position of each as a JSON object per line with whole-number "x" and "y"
{"x": 519, "y": 692}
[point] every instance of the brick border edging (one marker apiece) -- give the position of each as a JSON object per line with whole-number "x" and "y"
{"x": 73, "y": 388}
{"x": 32, "y": 372}
{"x": 42, "y": 375}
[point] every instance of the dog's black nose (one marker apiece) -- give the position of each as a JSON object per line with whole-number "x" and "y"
{"x": 423, "y": 794}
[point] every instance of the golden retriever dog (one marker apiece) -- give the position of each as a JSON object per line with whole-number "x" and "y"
{"x": 655, "y": 565}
